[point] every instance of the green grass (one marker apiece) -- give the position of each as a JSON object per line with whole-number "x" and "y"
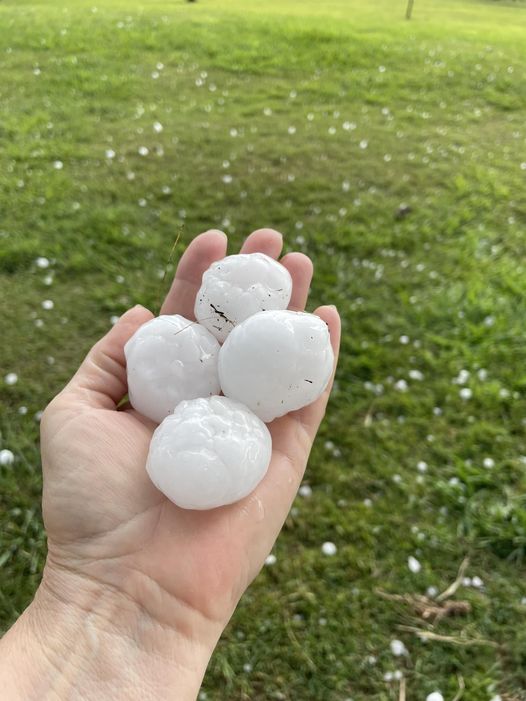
{"x": 445, "y": 130}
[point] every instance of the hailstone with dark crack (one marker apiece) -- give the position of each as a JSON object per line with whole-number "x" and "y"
{"x": 276, "y": 361}
{"x": 238, "y": 286}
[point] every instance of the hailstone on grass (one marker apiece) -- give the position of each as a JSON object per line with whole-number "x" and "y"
{"x": 208, "y": 453}
{"x": 170, "y": 359}
{"x": 238, "y": 286}
{"x": 276, "y": 361}
{"x": 6, "y": 457}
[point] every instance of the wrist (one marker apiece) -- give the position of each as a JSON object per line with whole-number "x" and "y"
{"x": 83, "y": 640}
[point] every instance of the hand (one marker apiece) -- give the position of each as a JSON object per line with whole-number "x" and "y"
{"x": 117, "y": 548}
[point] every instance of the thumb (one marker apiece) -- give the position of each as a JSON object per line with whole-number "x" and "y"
{"x": 101, "y": 379}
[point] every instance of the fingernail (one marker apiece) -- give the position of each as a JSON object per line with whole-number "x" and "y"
{"x": 216, "y": 231}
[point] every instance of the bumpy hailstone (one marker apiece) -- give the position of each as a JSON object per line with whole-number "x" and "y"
{"x": 169, "y": 359}
{"x": 237, "y": 287}
{"x": 208, "y": 453}
{"x": 276, "y": 361}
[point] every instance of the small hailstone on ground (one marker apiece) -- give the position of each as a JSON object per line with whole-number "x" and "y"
{"x": 42, "y": 262}
{"x": 169, "y": 359}
{"x": 11, "y": 378}
{"x": 465, "y": 393}
{"x": 413, "y": 564}
{"x": 276, "y": 361}
{"x": 462, "y": 377}
{"x": 477, "y": 582}
{"x": 435, "y": 696}
{"x": 209, "y": 453}
{"x": 270, "y": 559}
{"x": 239, "y": 286}
{"x": 431, "y": 592}
{"x": 6, "y": 457}
{"x": 329, "y": 548}
{"x": 305, "y": 491}
{"x": 401, "y": 385}
{"x": 48, "y": 304}
{"x": 421, "y": 466}
{"x": 398, "y": 648}
{"x": 488, "y": 463}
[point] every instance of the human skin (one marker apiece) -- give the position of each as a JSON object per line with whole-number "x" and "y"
{"x": 136, "y": 592}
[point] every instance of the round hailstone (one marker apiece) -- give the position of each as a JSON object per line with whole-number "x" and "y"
{"x": 276, "y": 361}
{"x": 169, "y": 359}
{"x": 6, "y": 457}
{"x": 239, "y": 286}
{"x": 329, "y": 548}
{"x": 208, "y": 453}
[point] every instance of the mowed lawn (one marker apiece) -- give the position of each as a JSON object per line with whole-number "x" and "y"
{"x": 394, "y": 154}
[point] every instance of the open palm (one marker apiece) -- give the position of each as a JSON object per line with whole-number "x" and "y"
{"x": 105, "y": 520}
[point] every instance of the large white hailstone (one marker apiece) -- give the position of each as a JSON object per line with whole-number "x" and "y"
{"x": 237, "y": 287}
{"x": 276, "y": 361}
{"x": 208, "y": 453}
{"x": 169, "y": 359}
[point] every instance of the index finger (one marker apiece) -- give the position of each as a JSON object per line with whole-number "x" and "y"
{"x": 198, "y": 257}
